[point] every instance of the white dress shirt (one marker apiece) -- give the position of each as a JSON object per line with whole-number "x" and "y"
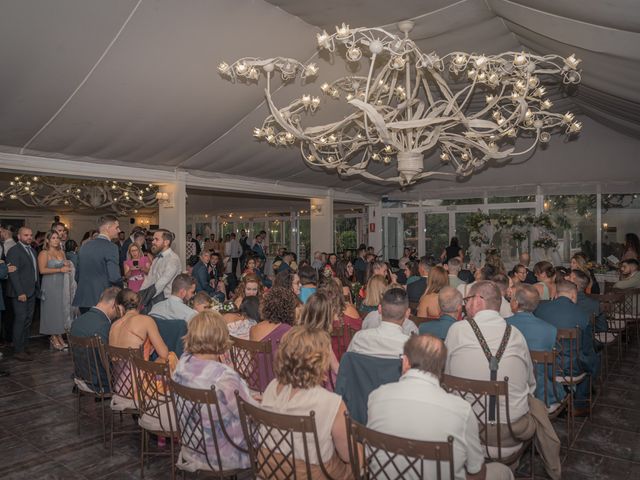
{"x": 385, "y": 341}
{"x": 173, "y": 308}
{"x": 374, "y": 319}
{"x": 417, "y": 408}
{"x": 165, "y": 267}
{"x": 464, "y": 288}
{"x": 505, "y": 309}
{"x": 9, "y": 243}
{"x": 466, "y": 359}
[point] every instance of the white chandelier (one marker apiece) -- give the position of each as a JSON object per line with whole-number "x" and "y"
{"x": 404, "y": 108}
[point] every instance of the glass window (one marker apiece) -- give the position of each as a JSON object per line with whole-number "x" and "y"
{"x": 503, "y": 241}
{"x": 463, "y": 201}
{"x": 620, "y": 215}
{"x": 436, "y": 233}
{"x": 521, "y": 199}
{"x": 461, "y": 230}
{"x": 226, "y": 228}
{"x": 346, "y": 234}
{"x": 392, "y": 236}
{"x": 577, "y": 232}
{"x": 304, "y": 245}
{"x": 409, "y": 231}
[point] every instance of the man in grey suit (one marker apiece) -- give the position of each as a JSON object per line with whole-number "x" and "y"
{"x": 98, "y": 264}
{"x": 23, "y": 288}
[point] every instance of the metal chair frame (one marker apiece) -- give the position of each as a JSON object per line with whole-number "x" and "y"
{"x": 572, "y": 336}
{"x": 246, "y": 356}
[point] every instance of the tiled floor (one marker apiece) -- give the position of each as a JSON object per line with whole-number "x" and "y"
{"x": 38, "y": 437}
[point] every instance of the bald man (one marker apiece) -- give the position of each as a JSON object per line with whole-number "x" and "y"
{"x": 450, "y": 302}
{"x": 416, "y": 407}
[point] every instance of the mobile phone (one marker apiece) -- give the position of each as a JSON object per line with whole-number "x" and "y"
{"x": 135, "y": 263}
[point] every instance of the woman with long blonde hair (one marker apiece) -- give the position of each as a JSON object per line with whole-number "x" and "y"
{"x": 376, "y": 286}
{"x": 429, "y": 306}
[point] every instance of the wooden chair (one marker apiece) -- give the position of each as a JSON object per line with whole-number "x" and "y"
{"x": 414, "y": 307}
{"x": 156, "y": 411}
{"x": 419, "y": 320}
{"x": 492, "y": 432}
{"x": 270, "y": 438}
{"x": 253, "y": 361}
{"x": 197, "y": 413}
{"x": 89, "y": 374}
{"x": 376, "y": 455}
{"x": 630, "y": 310}
{"x": 120, "y": 374}
{"x": 548, "y": 362}
{"x": 568, "y": 342}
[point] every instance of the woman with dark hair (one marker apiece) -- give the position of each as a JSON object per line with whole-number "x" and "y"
{"x": 546, "y": 275}
{"x": 631, "y": 247}
{"x": 348, "y": 319}
{"x": 579, "y": 262}
{"x": 239, "y": 323}
{"x": 346, "y": 274}
{"x": 452, "y": 251}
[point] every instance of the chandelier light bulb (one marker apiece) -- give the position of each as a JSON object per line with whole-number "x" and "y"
{"x": 568, "y": 117}
{"x": 520, "y": 60}
{"x": 572, "y": 62}
{"x": 342, "y": 31}
{"x": 354, "y": 54}
{"x": 323, "y": 39}
{"x": 311, "y": 70}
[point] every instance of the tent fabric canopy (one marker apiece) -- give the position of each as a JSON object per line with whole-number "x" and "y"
{"x": 135, "y": 82}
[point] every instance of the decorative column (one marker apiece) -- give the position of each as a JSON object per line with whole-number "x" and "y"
{"x": 322, "y": 229}
{"x": 375, "y": 226}
{"x": 173, "y": 213}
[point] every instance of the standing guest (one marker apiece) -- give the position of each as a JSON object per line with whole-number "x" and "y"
{"x": 300, "y": 366}
{"x": 175, "y": 307}
{"x": 124, "y": 248}
{"x": 200, "y": 273}
{"x": 258, "y": 251}
{"x": 98, "y": 264}
{"x": 200, "y": 240}
{"x": 4, "y": 275}
{"x": 386, "y": 340}
{"x": 540, "y": 337}
{"x": 452, "y": 251}
{"x": 503, "y": 283}
{"x": 546, "y": 275}
{"x": 428, "y": 306}
{"x": 525, "y": 260}
{"x": 590, "y": 305}
{"x": 202, "y": 366}
{"x": 6, "y": 235}
{"x": 38, "y": 241}
{"x": 56, "y": 291}
{"x": 418, "y": 408}
{"x": 360, "y": 266}
{"x": 454, "y": 266}
{"x": 631, "y": 247}
{"x": 348, "y": 319}
{"x": 235, "y": 251}
{"x": 59, "y": 228}
{"x": 285, "y": 263}
{"x": 416, "y": 289}
{"x": 136, "y": 267}
{"x": 71, "y": 253}
{"x": 23, "y": 288}
{"x": 308, "y": 283}
{"x": 210, "y": 243}
{"x": 165, "y": 267}
{"x": 246, "y": 248}
{"x": 195, "y": 243}
{"x": 450, "y": 303}
{"x": 631, "y": 278}
{"x": 121, "y": 239}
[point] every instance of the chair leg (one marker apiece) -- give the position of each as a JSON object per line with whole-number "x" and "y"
{"x": 111, "y": 436}
{"x": 143, "y": 437}
{"x": 173, "y": 461}
{"x": 104, "y": 424}
{"x": 78, "y": 412}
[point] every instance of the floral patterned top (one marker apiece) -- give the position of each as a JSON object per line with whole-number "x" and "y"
{"x": 198, "y": 373}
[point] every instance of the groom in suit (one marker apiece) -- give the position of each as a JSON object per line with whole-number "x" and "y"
{"x": 23, "y": 288}
{"x": 98, "y": 264}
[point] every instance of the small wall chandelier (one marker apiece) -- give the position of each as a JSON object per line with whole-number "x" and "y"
{"x": 121, "y": 197}
{"x": 404, "y": 108}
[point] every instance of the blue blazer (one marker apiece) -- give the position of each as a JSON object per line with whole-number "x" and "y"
{"x": 201, "y": 275}
{"x": 540, "y": 337}
{"x": 592, "y": 307}
{"x": 438, "y": 328}
{"x": 98, "y": 269}
{"x": 416, "y": 289}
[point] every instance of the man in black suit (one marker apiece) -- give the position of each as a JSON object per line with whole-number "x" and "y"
{"x": 525, "y": 259}
{"x": 98, "y": 265}
{"x": 23, "y": 288}
{"x": 417, "y": 288}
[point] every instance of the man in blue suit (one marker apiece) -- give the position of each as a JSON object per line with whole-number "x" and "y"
{"x": 540, "y": 337}
{"x": 563, "y": 312}
{"x": 98, "y": 265}
{"x": 590, "y": 305}
{"x": 258, "y": 250}
{"x": 200, "y": 273}
{"x": 450, "y": 302}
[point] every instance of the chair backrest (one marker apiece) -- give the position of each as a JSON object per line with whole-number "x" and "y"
{"x": 568, "y": 345}
{"x": 197, "y": 413}
{"x": 549, "y": 364}
{"x": 253, "y": 361}
{"x": 271, "y": 438}
{"x": 413, "y": 306}
{"x": 612, "y": 304}
{"x": 477, "y": 393}
{"x": 387, "y": 456}
{"x": 172, "y": 331}
{"x": 88, "y": 363}
{"x": 151, "y": 380}
{"x": 120, "y": 371}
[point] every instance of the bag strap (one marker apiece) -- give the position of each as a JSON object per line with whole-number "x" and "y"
{"x": 494, "y": 360}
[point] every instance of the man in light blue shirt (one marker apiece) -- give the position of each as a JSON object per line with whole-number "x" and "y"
{"x": 450, "y": 302}
{"x": 175, "y": 307}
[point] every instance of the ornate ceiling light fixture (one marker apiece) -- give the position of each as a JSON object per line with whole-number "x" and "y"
{"x": 121, "y": 197}
{"x": 404, "y": 108}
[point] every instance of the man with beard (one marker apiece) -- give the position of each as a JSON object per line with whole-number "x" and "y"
{"x": 165, "y": 267}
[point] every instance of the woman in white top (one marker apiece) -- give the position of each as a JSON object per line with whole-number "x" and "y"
{"x": 301, "y": 365}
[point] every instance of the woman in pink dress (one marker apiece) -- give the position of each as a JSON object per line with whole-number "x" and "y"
{"x": 136, "y": 267}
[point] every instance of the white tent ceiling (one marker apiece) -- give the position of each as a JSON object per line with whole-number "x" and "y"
{"x": 134, "y": 82}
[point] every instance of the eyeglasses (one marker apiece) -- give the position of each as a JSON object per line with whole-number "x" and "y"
{"x": 465, "y": 300}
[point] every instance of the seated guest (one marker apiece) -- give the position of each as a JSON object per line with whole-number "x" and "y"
{"x": 376, "y": 286}
{"x": 249, "y": 286}
{"x": 546, "y": 275}
{"x": 346, "y": 275}
{"x": 201, "y": 276}
{"x": 321, "y": 312}
{"x": 308, "y": 283}
{"x": 301, "y": 365}
{"x": 240, "y": 323}
{"x": 175, "y": 307}
{"x": 579, "y": 262}
{"x": 278, "y": 313}
{"x": 416, "y": 289}
{"x": 387, "y": 339}
{"x": 428, "y": 306}
{"x": 411, "y": 272}
{"x": 202, "y": 366}
{"x": 540, "y": 337}
{"x": 348, "y": 317}
{"x": 454, "y": 265}
{"x": 201, "y": 302}
{"x": 450, "y": 302}
{"x": 97, "y": 321}
{"x": 503, "y": 283}
{"x": 631, "y": 279}
{"x": 519, "y": 274}
{"x": 564, "y": 313}
{"x": 374, "y": 319}
{"x": 590, "y": 305}
{"x": 288, "y": 279}
{"x": 485, "y": 273}
{"x": 467, "y": 359}
{"x": 525, "y": 260}
{"x": 417, "y": 408}
{"x": 135, "y": 330}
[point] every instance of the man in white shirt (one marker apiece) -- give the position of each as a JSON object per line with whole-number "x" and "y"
{"x": 417, "y": 408}
{"x": 175, "y": 307}
{"x": 453, "y": 267}
{"x": 166, "y": 265}
{"x": 374, "y": 319}
{"x": 467, "y": 359}
{"x": 235, "y": 250}
{"x": 386, "y": 340}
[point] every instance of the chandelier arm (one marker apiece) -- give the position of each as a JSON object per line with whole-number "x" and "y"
{"x": 366, "y": 93}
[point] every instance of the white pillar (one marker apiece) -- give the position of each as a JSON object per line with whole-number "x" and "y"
{"x": 173, "y": 213}
{"x": 375, "y": 224}
{"x": 599, "y": 226}
{"x": 321, "y": 225}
